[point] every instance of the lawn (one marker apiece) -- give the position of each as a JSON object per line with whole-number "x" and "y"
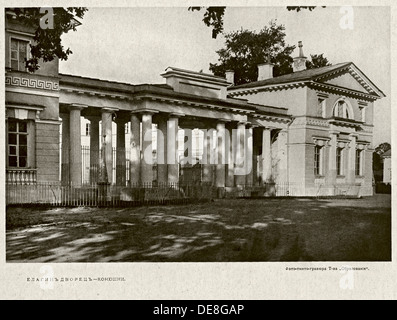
{"x": 222, "y": 230}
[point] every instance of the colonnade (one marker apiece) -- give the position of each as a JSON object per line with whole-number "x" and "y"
{"x": 233, "y": 156}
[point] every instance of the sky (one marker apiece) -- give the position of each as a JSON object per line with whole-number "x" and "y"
{"x": 135, "y": 45}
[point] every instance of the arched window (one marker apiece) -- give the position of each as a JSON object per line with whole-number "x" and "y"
{"x": 343, "y": 109}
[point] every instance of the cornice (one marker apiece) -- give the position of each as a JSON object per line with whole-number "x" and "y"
{"x": 274, "y": 87}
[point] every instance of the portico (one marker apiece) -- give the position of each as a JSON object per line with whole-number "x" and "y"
{"x": 156, "y": 114}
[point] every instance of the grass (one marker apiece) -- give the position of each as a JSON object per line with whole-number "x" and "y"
{"x": 223, "y": 230}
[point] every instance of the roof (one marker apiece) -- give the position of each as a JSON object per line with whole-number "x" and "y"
{"x": 163, "y": 90}
{"x": 88, "y": 82}
{"x": 310, "y": 75}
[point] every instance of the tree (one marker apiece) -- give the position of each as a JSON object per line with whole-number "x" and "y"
{"x": 213, "y": 16}
{"x": 47, "y": 42}
{"x": 245, "y": 49}
{"x": 317, "y": 61}
{"x": 382, "y": 148}
{"x": 297, "y": 9}
{"x": 377, "y": 160}
{"x": 377, "y": 167}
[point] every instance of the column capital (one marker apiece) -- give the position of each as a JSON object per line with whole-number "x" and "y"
{"x": 354, "y": 135}
{"x": 220, "y": 124}
{"x": 76, "y": 106}
{"x": 362, "y": 145}
{"x": 243, "y": 123}
{"x": 223, "y": 120}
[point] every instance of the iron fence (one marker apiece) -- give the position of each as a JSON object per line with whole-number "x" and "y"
{"x": 56, "y": 194}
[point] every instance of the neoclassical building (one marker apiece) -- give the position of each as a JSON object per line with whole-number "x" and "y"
{"x": 329, "y": 142}
{"x": 308, "y": 132}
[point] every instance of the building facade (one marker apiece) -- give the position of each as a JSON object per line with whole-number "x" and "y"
{"x": 31, "y": 110}
{"x": 330, "y": 135}
{"x": 309, "y": 131}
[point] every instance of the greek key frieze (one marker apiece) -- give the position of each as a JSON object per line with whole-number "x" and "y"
{"x": 31, "y": 83}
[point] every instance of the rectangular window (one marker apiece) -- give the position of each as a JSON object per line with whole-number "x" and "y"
{"x": 87, "y": 129}
{"x": 19, "y": 53}
{"x": 358, "y": 162}
{"x": 17, "y": 143}
{"x": 126, "y": 128}
{"x": 318, "y": 160}
{"x": 339, "y": 163}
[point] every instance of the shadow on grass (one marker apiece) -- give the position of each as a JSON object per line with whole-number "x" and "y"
{"x": 225, "y": 230}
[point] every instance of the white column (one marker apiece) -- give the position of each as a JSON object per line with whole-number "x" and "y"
{"x": 162, "y": 175}
{"x": 282, "y": 155}
{"x": 107, "y": 145}
{"x": 221, "y": 154}
{"x": 147, "y": 149}
{"x": 249, "y": 178}
{"x": 352, "y": 159}
{"x": 172, "y": 149}
{"x": 240, "y": 162}
{"x": 229, "y": 157}
{"x": 75, "y": 145}
{"x": 208, "y": 157}
{"x": 65, "y": 167}
{"x": 331, "y": 172}
{"x": 255, "y": 162}
{"x": 135, "y": 149}
{"x": 266, "y": 156}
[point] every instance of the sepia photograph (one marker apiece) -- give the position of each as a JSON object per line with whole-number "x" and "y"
{"x": 208, "y": 135}
{"x": 197, "y": 134}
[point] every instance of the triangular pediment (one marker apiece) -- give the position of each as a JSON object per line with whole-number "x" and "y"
{"x": 345, "y": 80}
{"x": 350, "y": 77}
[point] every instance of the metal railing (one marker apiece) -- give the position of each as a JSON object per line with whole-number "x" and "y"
{"x": 55, "y": 194}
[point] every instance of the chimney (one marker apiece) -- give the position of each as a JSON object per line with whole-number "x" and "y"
{"x": 230, "y": 76}
{"x": 300, "y": 61}
{"x": 265, "y": 70}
